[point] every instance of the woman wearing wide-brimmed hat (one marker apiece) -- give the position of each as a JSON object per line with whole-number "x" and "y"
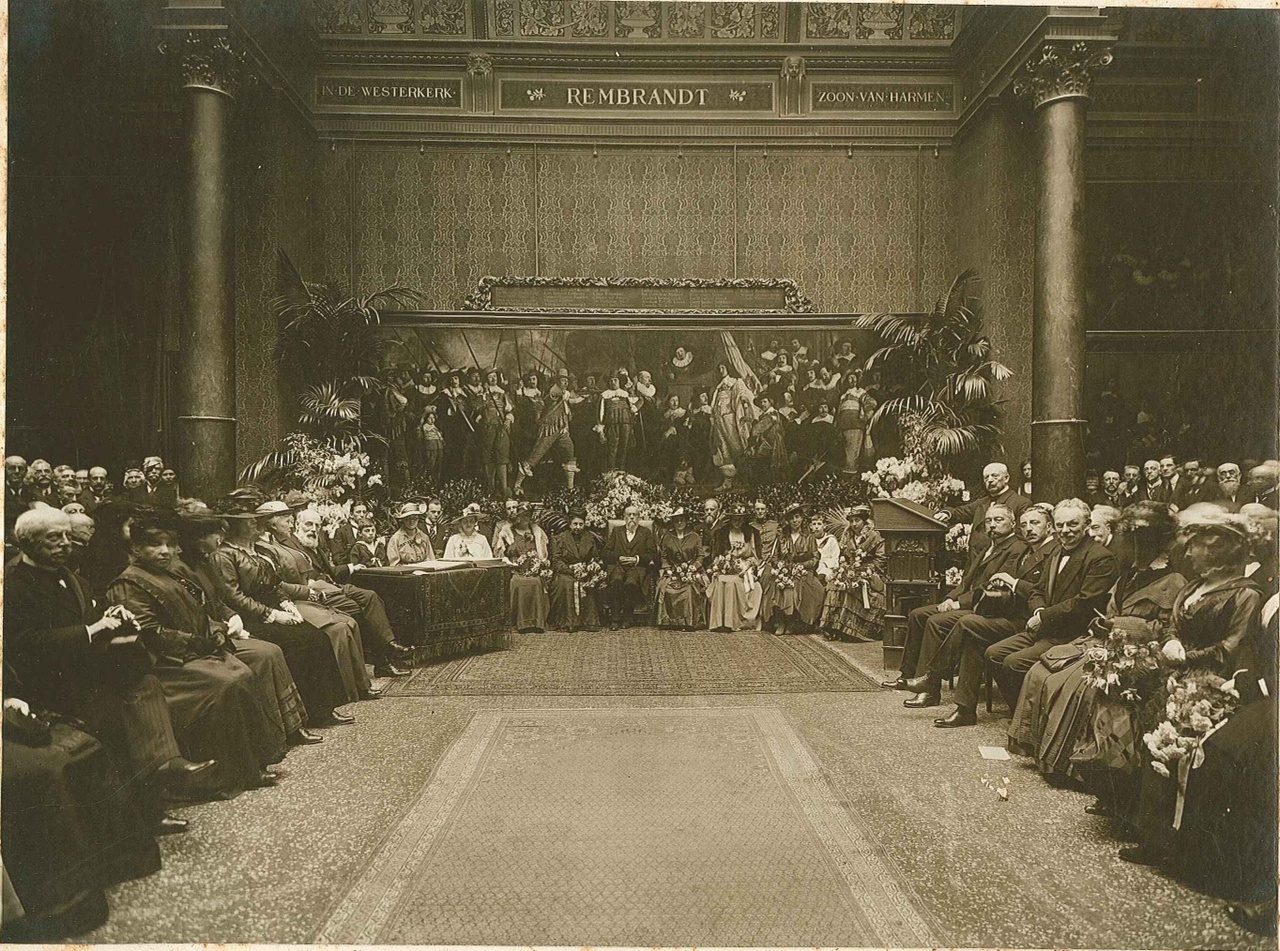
{"x": 857, "y": 613}
{"x": 733, "y": 597}
{"x": 798, "y": 608}
{"x": 523, "y": 539}
{"x": 251, "y": 568}
{"x": 410, "y": 544}
{"x": 682, "y": 601}
{"x": 305, "y": 647}
{"x": 466, "y": 543}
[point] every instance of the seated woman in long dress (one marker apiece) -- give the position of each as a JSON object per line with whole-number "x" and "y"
{"x": 733, "y": 593}
{"x": 227, "y": 715}
{"x": 304, "y": 647}
{"x": 681, "y": 597}
{"x": 524, "y": 545}
{"x": 798, "y": 606}
{"x": 410, "y": 544}
{"x": 856, "y": 611}
{"x": 1055, "y": 709}
{"x": 1216, "y": 626}
{"x": 573, "y": 603}
{"x": 466, "y": 543}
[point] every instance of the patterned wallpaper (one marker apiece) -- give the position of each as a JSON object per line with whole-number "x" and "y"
{"x": 996, "y": 235}
{"x": 273, "y": 176}
{"x": 845, "y": 228}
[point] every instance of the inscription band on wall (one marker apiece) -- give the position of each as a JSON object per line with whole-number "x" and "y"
{"x": 613, "y": 97}
{"x": 882, "y": 97}
{"x": 414, "y": 93}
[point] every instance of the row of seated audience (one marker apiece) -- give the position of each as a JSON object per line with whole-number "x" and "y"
{"x": 1047, "y": 586}
{"x": 175, "y": 656}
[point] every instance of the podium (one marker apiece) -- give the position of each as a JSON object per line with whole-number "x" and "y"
{"x": 912, "y": 540}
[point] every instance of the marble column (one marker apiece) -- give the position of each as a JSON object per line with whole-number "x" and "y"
{"x": 1057, "y": 80}
{"x": 211, "y": 74}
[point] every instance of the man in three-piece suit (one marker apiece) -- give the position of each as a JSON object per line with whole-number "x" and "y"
{"x": 974, "y": 633}
{"x": 928, "y": 626}
{"x": 628, "y": 554}
{"x": 995, "y": 479}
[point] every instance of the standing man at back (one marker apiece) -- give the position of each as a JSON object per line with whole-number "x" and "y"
{"x": 995, "y": 479}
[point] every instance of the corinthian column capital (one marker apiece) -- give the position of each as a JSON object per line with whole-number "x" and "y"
{"x": 1061, "y": 70}
{"x": 208, "y": 59}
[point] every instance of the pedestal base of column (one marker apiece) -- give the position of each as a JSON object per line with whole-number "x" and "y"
{"x": 1057, "y": 459}
{"x": 206, "y": 456}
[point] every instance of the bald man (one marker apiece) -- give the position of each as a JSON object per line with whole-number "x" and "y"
{"x": 1261, "y": 485}
{"x": 15, "y": 499}
{"x": 995, "y": 479}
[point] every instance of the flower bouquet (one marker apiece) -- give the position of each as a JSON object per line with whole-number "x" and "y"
{"x": 529, "y": 565}
{"x": 1198, "y": 702}
{"x": 590, "y": 574}
{"x": 727, "y": 565}
{"x": 687, "y": 572}
{"x": 958, "y": 537}
{"x": 953, "y": 576}
{"x": 1122, "y": 666}
{"x": 786, "y": 574}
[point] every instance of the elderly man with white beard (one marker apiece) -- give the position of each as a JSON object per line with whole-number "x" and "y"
{"x": 362, "y": 604}
{"x": 995, "y": 479}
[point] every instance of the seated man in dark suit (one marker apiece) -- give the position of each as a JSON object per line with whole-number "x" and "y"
{"x": 58, "y": 644}
{"x": 628, "y": 554}
{"x": 965, "y": 647}
{"x": 326, "y": 586}
{"x": 1073, "y": 588}
{"x": 995, "y": 479}
{"x": 928, "y": 626}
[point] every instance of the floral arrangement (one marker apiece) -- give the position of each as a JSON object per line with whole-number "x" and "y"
{"x": 615, "y": 491}
{"x": 1198, "y": 702}
{"x": 786, "y": 574}
{"x": 958, "y": 537}
{"x": 590, "y": 574}
{"x": 1122, "y": 666}
{"x": 332, "y": 515}
{"x": 529, "y": 565}
{"x": 726, "y": 565}
{"x": 851, "y": 574}
{"x": 687, "y": 572}
{"x": 326, "y": 473}
{"x": 909, "y": 478}
{"x": 953, "y": 576}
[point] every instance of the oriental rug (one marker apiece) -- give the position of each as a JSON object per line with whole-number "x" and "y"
{"x": 636, "y": 827}
{"x": 641, "y": 663}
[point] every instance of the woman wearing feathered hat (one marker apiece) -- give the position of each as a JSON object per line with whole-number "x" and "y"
{"x": 856, "y": 613}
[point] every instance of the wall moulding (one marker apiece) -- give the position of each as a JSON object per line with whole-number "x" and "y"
{"x": 638, "y": 295}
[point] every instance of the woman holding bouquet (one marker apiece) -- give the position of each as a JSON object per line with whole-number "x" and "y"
{"x": 524, "y": 546}
{"x": 855, "y": 604}
{"x": 733, "y": 594}
{"x": 799, "y": 593}
{"x": 1055, "y": 717}
{"x": 577, "y": 574}
{"x": 1215, "y": 629}
{"x": 681, "y": 594}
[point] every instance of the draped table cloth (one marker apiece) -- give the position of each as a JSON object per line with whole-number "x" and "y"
{"x": 444, "y": 612}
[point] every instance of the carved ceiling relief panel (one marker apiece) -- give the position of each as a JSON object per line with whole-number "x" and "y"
{"x": 881, "y": 22}
{"x": 391, "y": 16}
{"x": 444, "y": 17}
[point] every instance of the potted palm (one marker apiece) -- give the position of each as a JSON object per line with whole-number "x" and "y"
{"x": 944, "y": 408}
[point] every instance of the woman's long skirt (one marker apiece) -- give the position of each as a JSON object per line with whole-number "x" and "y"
{"x": 572, "y": 608}
{"x": 803, "y": 601}
{"x": 847, "y": 614}
{"x": 312, "y": 663}
{"x": 70, "y": 827}
{"x": 218, "y": 714}
{"x": 528, "y": 604}
{"x": 1053, "y": 715}
{"x": 731, "y": 605}
{"x": 681, "y": 604}
{"x": 276, "y": 690}
{"x": 344, "y": 638}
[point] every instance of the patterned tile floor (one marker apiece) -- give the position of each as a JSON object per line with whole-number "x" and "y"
{"x": 809, "y": 819}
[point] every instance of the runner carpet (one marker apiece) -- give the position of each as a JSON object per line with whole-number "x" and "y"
{"x": 641, "y": 663}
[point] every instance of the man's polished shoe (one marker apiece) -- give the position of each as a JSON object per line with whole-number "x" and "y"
{"x": 266, "y": 778}
{"x": 925, "y": 683}
{"x": 171, "y": 825}
{"x": 304, "y": 737}
{"x": 898, "y": 683}
{"x": 957, "y": 717}
{"x": 923, "y": 699}
{"x": 338, "y": 717}
{"x": 1098, "y": 808}
{"x": 178, "y": 770}
{"x": 390, "y": 670}
{"x": 400, "y": 652}
{"x": 373, "y": 693}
